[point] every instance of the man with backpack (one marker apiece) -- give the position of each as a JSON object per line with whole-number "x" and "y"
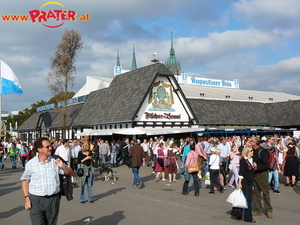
{"x": 261, "y": 173}
{"x": 274, "y": 165}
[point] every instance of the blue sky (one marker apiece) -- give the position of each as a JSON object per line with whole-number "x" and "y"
{"x": 255, "y": 41}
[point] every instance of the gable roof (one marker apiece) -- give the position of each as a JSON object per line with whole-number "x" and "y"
{"x": 30, "y": 123}
{"x": 218, "y": 112}
{"x": 71, "y": 114}
{"x": 121, "y": 101}
{"x": 51, "y": 118}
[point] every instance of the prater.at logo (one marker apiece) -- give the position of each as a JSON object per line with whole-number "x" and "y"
{"x": 56, "y": 15}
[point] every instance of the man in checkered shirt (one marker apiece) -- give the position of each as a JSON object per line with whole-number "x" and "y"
{"x": 41, "y": 184}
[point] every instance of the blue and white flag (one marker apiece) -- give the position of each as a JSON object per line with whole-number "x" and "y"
{"x": 9, "y": 81}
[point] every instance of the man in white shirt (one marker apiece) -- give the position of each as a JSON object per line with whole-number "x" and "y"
{"x": 146, "y": 148}
{"x": 224, "y": 147}
{"x": 64, "y": 151}
{"x": 66, "y": 181}
{"x": 207, "y": 145}
{"x": 224, "y": 157}
{"x": 75, "y": 148}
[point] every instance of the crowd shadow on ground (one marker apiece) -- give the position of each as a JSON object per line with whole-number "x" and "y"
{"x": 108, "y": 193}
{"x": 297, "y": 190}
{"x": 10, "y": 187}
{"x": 12, "y": 212}
{"x": 112, "y": 219}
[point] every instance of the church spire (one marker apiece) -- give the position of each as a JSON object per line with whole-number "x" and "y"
{"x": 172, "y": 50}
{"x": 133, "y": 64}
{"x": 118, "y": 59}
{"x": 173, "y": 64}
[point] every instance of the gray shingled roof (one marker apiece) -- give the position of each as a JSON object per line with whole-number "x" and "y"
{"x": 30, "y": 123}
{"x": 218, "y": 112}
{"x": 71, "y": 114}
{"x": 52, "y": 118}
{"x": 284, "y": 113}
{"x": 122, "y": 99}
{"x": 120, "y": 102}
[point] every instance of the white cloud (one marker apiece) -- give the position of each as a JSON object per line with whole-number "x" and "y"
{"x": 216, "y": 43}
{"x": 200, "y": 51}
{"x": 274, "y": 13}
{"x": 280, "y": 77}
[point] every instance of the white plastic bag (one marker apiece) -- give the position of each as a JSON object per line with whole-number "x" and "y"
{"x": 207, "y": 179}
{"x": 237, "y": 199}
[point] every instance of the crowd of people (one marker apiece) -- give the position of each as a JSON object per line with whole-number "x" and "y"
{"x": 15, "y": 150}
{"x": 252, "y": 164}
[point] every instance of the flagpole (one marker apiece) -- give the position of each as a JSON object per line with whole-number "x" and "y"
{"x": 12, "y": 86}
{"x": 0, "y": 99}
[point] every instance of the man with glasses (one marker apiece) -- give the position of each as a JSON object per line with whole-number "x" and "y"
{"x": 41, "y": 184}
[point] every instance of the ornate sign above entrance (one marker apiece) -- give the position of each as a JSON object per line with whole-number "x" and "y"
{"x": 161, "y": 97}
{"x": 168, "y": 116}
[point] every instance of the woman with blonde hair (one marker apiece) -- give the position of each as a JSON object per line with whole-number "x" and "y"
{"x": 235, "y": 164}
{"x": 246, "y": 178}
{"x": 214, "y": 170}
{"x": 86, "y": 160}
{"x": 280, "y": 148}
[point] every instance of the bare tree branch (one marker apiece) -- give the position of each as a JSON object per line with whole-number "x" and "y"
{"x": 61, "y": 77}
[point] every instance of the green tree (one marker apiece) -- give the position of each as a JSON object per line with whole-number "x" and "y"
{"x": 61, "y": 77}
{"x": 60, "y": 97}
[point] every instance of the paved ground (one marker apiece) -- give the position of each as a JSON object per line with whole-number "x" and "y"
{"x": 121, "y": 203}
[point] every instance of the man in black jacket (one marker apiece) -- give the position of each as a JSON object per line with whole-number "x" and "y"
{"x": 261, "y": 172}
{"x": 123, "y": 148}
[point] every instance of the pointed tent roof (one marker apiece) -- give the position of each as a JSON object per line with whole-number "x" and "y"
{"x": 120, "y": 102}
{"x": 133, "y": 64}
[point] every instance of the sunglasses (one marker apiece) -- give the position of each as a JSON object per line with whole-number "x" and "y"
{"x": 49, "y": 146}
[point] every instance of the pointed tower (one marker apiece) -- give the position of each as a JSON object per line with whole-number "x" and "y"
{"x": 133, "y": 64}
{"x": 173, "y": 64}
{"x": 118, "y": 59}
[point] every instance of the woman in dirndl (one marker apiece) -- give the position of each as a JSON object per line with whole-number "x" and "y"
{"x": 160, "y": 162}
{"x": 291, "y": 163}
{"x": 173, "y": 168}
